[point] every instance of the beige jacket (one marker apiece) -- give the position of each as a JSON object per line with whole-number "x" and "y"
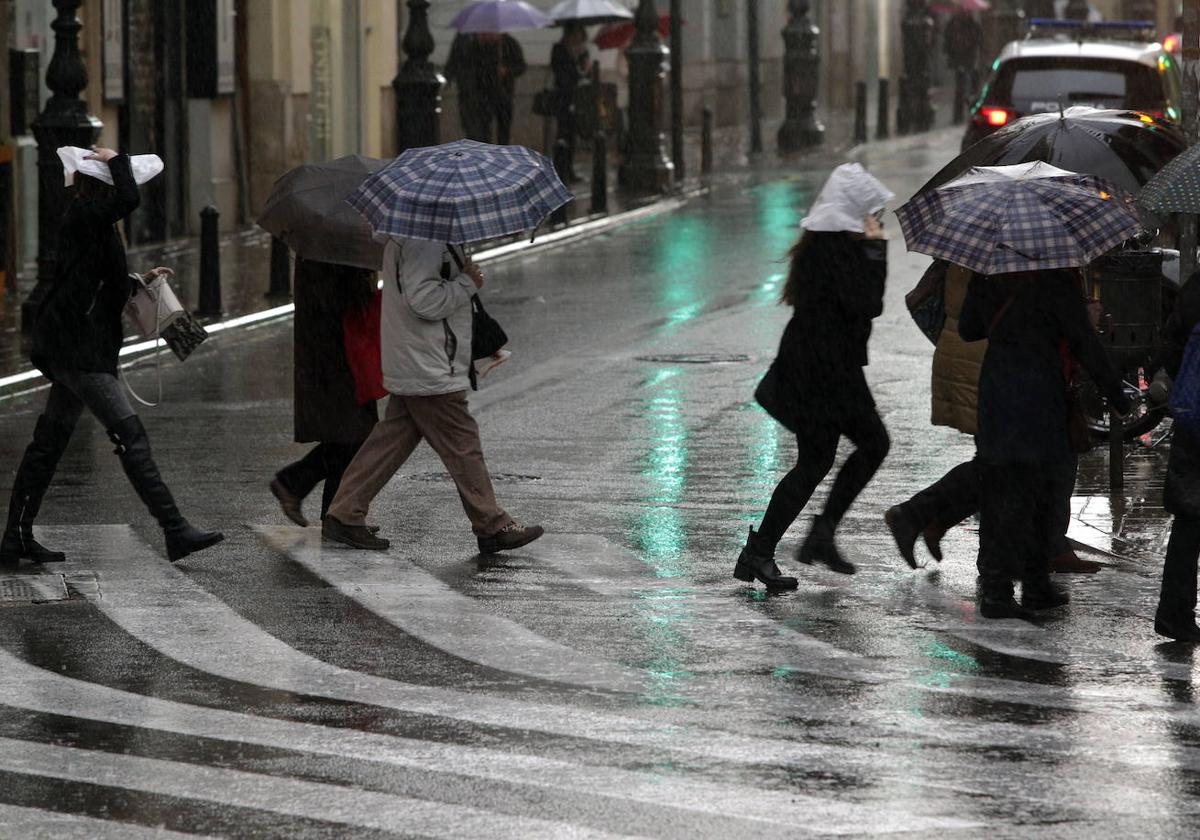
{"x": 956, "y": 363}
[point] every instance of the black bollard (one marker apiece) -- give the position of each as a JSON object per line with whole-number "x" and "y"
{"x": 210, "y": 265}
{"x": 860, "y": 112}
{"x": 562, "y": 166}
{"x": 1116, "y": 451}
{"x": 281, "y": 270}
{"x": 706, "y": 142}
{"x": 883, "y": 114}
{"x": 600, "y": 173}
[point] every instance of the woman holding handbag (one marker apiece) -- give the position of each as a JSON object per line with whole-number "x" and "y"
{"x": 835, "y": 285}
{"x": 336, "y": 326}
{"x": 77, "y": 336}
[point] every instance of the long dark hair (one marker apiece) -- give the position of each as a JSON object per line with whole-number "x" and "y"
{"x": 795, "y": 269}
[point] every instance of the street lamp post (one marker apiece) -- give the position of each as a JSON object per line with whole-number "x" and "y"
{"x": 677, "y": 146}
{"x": 801, "y": 73}
{"x": 916, "y": 112}
{"x": 418, "y": 85}
{"x": 753, "y": 58}
{"x": 65, "y": 121}
{"x": 645, "y": 167}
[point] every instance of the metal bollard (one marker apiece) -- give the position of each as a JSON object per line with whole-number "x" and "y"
{"x": 1116, "y": 451}
{"x": 706, "y": 142}
{"x": 600, "y": 173}
{"x": 562, "y": 166}
{"x": 883, "y": 115}
{"x": 210, "y": 264}
{"x": 281, "y": 270}
{"x": 860, "y": 112}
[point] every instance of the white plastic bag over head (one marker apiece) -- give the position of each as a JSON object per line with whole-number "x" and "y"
{"x": 850, "y": 195}
{"x": 75, "y": 159}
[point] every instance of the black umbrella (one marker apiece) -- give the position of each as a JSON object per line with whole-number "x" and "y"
{"x": 307, "y": 209}
{"x": 1176, "y": 189}
{"x": 1125, "y": 148}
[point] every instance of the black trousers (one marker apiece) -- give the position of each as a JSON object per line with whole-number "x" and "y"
{"x": 1018, "y": 517}
{"x": 327, "y": 463}
{"x": 957, "y": 496}
{"x": 1177, "y": 599}
{"x": 477, "y": 115}
{"x": 817, "y": 445}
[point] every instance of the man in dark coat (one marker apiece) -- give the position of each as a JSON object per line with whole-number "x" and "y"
{"x": 1175, "y": 617}
{"x": 570, "y": 65}
{"x": 1023, "y": 444}
{"x": 485, "y": 66}
{"x": 327, "y": 409}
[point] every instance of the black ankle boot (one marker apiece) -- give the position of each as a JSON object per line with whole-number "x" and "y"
{"x": 996, "y": 599}
{"x": 753, "y": 564}
{"x": 1181, "y": 628}
{"x": 133, "y": 447}
{"x": 33, "y": 478}
{"x": 819, "y": 547}
{"x": 1040, "y": 594}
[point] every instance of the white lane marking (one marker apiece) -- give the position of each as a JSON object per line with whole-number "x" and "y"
{"x": 290, "y": 797}
{"x": 415, "y": 601}
{"x": 37, "y": 824}
{"x": 28, "y": 687}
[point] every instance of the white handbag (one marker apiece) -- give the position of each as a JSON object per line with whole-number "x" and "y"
{"x": 153, "y": 306}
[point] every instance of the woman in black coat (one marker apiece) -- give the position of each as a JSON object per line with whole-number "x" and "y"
{"x": 835, "y": 285}
{"x": 1023, "y": 446}
{"x": 327, "y": 410}
{"x": 1175, "y": 617}
{"x": 77, "y": 336}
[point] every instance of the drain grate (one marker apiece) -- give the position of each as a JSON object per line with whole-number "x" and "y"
{"x": 32, "y": 589}
{"x": 497, "y": 478}
{"x": 696, "y": 358}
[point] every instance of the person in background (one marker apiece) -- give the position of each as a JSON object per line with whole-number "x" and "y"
{"x": 77, "y": 336}
{"x": 327, "y": 407}
{"x": 485, "y": 66}
{"x": 570, "y": 64}
{"x": 962, "y": 42}
{"x": 835, "y": 287}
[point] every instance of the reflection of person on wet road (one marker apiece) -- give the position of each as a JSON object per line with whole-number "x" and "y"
{"x": 327, "y": 408}
{"x": 426, "y": 348}
{"x": 77, "y": 337}
{"x": 1022, "y": 442}
{"x": 956, "y": 495}
{"x": 1175, "y": 617}
{"x": 835, "y": 285}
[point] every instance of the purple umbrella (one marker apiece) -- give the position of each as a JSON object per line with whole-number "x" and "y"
{"x": 500, "y": 16}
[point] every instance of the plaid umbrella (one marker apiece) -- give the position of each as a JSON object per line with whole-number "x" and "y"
{"x": 461, "y": 192}
{"x": 1025, "y": 217}
{"x": 1176, "y": 187}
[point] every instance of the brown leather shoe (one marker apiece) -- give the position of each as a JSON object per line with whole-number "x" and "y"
{"x": 355, "y": 536}
{"x": 1070, "y": 563}
{"x": 509, "y": 537}
{"x": 289, "y": 503}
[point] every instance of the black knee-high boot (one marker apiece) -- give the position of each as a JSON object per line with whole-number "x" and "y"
{"x": 34, "y": 475}
{"x": 133, "y": 447}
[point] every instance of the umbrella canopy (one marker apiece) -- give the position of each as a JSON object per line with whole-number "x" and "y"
{"x": 499, "y": 16}
{"x": 1027, "y": 217}
{"x": 618, "y": 36}
{"x": 960, "y": 6}
{"x": 461, "y": 192}
{"x": 1175, "y": 189}
{"x": 307, "y": 209}
{"x": 1125, "y": 148}
{"x": 589, "y": 12}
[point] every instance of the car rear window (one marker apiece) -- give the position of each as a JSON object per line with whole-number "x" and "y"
{"x": 1036, "y": 85}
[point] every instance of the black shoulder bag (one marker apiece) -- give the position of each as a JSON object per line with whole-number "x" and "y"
{"x": 487, "y": 336}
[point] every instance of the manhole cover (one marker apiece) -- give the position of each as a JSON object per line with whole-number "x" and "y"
{"x": 500, "y": 478}
{"x": 33, "y": 589}
{"x": 696, "y": 358}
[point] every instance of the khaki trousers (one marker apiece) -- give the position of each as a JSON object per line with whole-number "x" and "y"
{"x": 445, "y": 421}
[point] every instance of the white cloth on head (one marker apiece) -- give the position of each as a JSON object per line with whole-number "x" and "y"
{"x": 75, "y": 159}
{"x": 850, "y": 195}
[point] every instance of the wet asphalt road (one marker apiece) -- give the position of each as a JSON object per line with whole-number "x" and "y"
{"x": 611, "y": 679}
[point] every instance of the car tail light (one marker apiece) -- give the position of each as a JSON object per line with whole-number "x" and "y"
{"x": 994, "y": 117}
{"x": 1172, "y": 42}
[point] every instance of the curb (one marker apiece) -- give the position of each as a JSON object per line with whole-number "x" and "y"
{"x": 32, "y": 379}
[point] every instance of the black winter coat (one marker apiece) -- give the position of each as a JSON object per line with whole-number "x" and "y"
{"x": 838, "y": 290}
{"x": 1182, "y": 493}
{"x": 78, "y": 325}
{"x": 1022, "y": 386}
{"x": 326, "y": 409}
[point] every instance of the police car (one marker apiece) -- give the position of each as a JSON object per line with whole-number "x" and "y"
{"x": 1064, "y": 62}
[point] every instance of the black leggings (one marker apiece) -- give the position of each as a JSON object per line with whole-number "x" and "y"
{"x": 818, "y": 442}
{"x": 326, "y": 462}
{"x": 1177, "y": 600}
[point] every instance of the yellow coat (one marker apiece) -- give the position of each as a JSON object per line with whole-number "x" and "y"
{"x": 956, "y": 363}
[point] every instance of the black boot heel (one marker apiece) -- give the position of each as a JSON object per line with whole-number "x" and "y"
{"x": 752, "y": 565}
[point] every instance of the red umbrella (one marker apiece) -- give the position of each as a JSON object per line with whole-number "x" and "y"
{"x": 960, "y": 6}
{"x": 618, "y": 36}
